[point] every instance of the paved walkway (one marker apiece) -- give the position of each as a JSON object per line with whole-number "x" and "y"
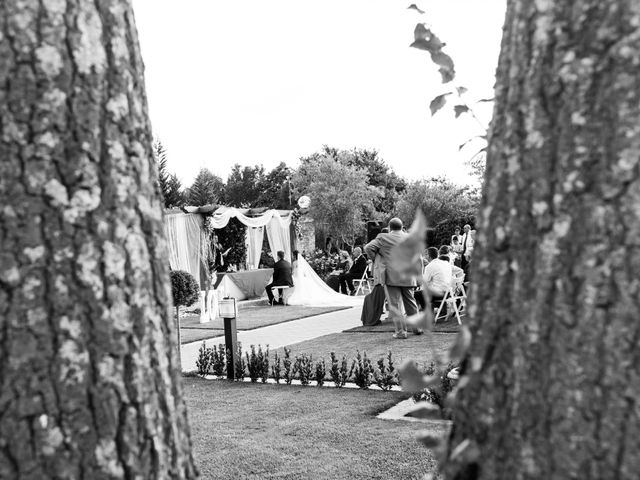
{"x": 282, "y": 334}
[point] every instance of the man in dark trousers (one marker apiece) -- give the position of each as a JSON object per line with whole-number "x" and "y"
{"x": 355, "y": 272}
{"x": 399, "y": 284}
{"x": 281, "y": 278}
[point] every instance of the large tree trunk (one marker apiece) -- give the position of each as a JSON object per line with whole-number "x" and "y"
{"x": 553, "y": 371}
{"x": 89, "y": 379}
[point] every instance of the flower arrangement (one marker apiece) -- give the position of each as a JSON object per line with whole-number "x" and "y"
{"x": 322, "y": 263}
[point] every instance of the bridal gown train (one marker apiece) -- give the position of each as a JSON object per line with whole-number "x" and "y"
{"x": 310, "y": 290}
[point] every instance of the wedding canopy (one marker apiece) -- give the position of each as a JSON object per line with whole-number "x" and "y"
{"x": 188, "y": 242}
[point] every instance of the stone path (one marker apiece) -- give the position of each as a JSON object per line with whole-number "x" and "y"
{"x": 282, "y": 334}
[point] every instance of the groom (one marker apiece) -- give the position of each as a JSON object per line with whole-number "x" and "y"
{"x": 281, "y": 278}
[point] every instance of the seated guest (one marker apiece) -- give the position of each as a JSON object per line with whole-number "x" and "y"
{"x": 354, "y": 273}
{"x": 456, "y": 251}
{"x": 281, "y": 278}
{"x": 437, "y": 275}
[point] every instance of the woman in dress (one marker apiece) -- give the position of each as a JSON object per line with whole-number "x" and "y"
{"x": 309, "y": 289}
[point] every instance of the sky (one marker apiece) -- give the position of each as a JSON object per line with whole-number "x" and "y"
{"x": 264, "y": 82}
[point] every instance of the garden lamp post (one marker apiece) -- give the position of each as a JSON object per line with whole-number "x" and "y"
{"x": 229, "y": 311}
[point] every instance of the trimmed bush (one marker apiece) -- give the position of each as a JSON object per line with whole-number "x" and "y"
{"x": 218, "y": 361}
{"x": 184, "y": 288}
{"x": 320, "y": 372}
{"x": 339, "y": 370}
{"x": 203, "y": 362}
{"x": 304, "y": 368}
{"x": 263, "y": 358}
{"x": 362, "y": 371}
{"x": 289, "y": 371}
{"x": 386, "y": 376}
{"x": 276, "y": 368}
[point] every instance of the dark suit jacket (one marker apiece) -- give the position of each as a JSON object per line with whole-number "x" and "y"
{"x": 358, "y": 267}
{"x": 282, "y": 273}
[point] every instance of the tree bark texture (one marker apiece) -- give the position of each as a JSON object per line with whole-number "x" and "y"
{"x": 89, "y": 379}
{"x": 552, "y": 376}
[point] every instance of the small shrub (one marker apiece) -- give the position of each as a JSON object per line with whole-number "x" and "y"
{"x": 386, "y": 376}
{"x": 321, "y": 371}
{"x": 276, "y": 368}
{"x": 203, "y": 362}
{"x": 263, "y": 358}
{"x": 184, "y": 288}
{"x": 253, "y": 364}
{"x": 289, "y": 371}
{"x": 339, "y": 371}
{"x": 304, "y": 368}
{"x": 218, "y": 361}
{"x": 362, "y": 371}
{"x": 240, "y": 365}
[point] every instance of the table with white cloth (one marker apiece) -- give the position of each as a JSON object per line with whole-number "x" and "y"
{"x": 244, "y": 285}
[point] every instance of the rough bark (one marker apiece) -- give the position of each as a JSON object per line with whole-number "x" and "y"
{"x": 89, "y": 379}
{"x": 553, "y": 372}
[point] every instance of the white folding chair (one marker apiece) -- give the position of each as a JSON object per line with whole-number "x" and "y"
{"x": 454, "y": 295}
{"x": 364, "y": 283}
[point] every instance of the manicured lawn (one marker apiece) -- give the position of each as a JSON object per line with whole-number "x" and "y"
{"x": 249, "y": 431}
{"x": 419, "y": 348}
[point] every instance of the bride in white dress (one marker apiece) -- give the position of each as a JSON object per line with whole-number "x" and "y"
{"x": 310, "y": 290}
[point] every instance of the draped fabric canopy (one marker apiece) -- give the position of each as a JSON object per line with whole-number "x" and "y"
{"x": 188, "y": 245}
{"x": 186, "y": 241}
{"x": 277, "y": 230}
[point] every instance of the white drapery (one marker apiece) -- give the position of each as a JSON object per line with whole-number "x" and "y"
{"x": 279, "y": 238}
{"x": 277, "y": 230}
{"x": 186, "y": 243}
{"x": 254, "y": 238}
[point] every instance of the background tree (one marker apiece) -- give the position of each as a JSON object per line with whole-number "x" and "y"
{"x": 339, "y": 196}
{"x": 550, "y": 382}
{"x": 207, "y": 189}
{"x": 170, "y": 184}
{"x": 444, "y": 203}
{"x": 386, "y": 184}
{"x": 244, "y": 186}
{"x": 274, "y": 188}
{"x": 174, "y": 196}
{"x": 89, "y": 378}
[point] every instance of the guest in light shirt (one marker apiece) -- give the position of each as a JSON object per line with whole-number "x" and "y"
{"x": 437, "y": 275}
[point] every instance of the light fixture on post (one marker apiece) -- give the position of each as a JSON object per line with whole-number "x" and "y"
{"x": 228, "y": 308}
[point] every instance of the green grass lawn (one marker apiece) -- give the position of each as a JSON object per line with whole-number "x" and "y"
{"x": 249, "y": 431}
{"x": 420, "y": 348}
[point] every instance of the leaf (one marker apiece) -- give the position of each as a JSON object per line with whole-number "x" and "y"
{"x": 461, "y": 345}
{"x": 423, "y": 319}
{"x": 413, "y": 6}
{"x": 425, "y": 411}
{"x": 447, "y": 74}
{"x": 425, "y": 39}
{"x": 462, "y": 90}
{"x": 486, "y": 100}
{"x": 442, "y": 59}
{"x": 428, "y": 439}
{"x": 484, "y": 137}
{"x": 460, "y": 109}
{"x": 406, "y": 257}
{"x": 413, "y": 380}
{"x": 437, "y": 103}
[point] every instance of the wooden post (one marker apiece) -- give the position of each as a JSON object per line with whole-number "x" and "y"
{"x": 231, "y": 344}
{"x": 229, "y": 311}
